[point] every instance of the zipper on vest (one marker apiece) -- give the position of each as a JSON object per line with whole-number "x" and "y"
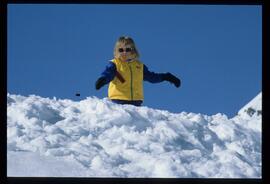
{"x": 131, "y": 81}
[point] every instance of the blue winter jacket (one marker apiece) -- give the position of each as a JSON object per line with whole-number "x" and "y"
{"x": 110, "y": 72}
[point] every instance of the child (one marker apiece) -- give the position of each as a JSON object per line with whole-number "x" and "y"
{"x": 126, "y": 74}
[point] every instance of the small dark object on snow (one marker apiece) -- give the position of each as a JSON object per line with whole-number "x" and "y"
{"x": 78, "y": 94}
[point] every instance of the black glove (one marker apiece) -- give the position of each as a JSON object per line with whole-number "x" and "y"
{"x": 100, "y": 82}
{"x": 171, "y": 78}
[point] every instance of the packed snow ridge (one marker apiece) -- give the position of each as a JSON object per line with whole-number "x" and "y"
{"x": 97, "y": 138}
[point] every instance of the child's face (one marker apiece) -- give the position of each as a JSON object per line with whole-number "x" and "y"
{"x": 125, "y": 51}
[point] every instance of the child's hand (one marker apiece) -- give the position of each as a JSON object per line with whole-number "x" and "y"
{"x": 171, "y": 78}
{"x": 100, "y": 82}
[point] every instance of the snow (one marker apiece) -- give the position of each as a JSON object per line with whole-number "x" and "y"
{"x": 253, "y": 108}
{"x": 97, "y": 138}
{"x": 251, "y": 113}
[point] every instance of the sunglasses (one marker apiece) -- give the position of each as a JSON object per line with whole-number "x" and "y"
{"x": 127, "y": 49}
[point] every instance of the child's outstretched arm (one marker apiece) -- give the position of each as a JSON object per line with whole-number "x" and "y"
{"x": 106, "y": 76}
{"x": 160, "y": 77}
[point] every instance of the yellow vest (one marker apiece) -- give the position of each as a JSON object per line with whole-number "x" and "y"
{"x": 132, "y": 88}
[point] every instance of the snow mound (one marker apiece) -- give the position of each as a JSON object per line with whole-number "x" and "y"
{"x": 251, "y": 114}
{"x": 253, "y": 108}
{"x": 97, "y": 138}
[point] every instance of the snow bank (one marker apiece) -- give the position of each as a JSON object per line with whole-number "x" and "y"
{"x": 96, "y": 138}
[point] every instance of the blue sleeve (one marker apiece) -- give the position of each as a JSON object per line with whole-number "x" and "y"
{"x": 152, "y": 76}
{"x": 109, "y": 72}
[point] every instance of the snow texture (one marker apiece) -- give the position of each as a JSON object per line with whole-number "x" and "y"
{"x": 97, "y": 138}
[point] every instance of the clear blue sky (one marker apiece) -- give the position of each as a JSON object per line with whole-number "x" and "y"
{"x": 216, "y": 50}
